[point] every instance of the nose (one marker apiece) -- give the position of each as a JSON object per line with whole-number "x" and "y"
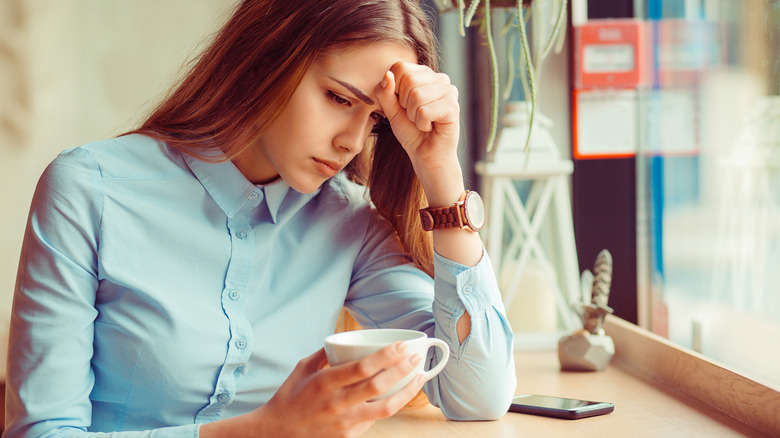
{"x": 352, "y": 136}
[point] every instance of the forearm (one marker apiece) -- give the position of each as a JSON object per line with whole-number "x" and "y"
{"x": 443, "y": 186}
{"x": 479, "y": 379}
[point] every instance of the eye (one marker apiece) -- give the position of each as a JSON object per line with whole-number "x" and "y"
{"x": 377, "y": 117}
{"x": 338, "y": 99}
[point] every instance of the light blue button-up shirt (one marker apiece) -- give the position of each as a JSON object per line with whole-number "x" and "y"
{"x": 157, "y": 291}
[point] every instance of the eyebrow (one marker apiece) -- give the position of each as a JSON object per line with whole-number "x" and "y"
{"x": 354, "y": 90}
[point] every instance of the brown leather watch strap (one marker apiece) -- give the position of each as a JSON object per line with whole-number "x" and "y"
{"x": 443, "y": 217}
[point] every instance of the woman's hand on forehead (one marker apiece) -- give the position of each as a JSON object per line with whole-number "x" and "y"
{"x": 422, "y": 108}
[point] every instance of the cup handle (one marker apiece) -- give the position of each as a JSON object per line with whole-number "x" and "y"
{"x": 445, "y": 349}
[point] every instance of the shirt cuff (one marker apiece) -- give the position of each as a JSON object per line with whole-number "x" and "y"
{"x": 457, "y": 286}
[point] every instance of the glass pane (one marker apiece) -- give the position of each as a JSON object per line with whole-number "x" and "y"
{"x": 710, "y": 161}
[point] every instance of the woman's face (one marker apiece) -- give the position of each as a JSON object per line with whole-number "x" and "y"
{"x": 327, "y": 120}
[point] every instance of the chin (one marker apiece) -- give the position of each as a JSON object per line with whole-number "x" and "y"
{"x": 306, "y": 187}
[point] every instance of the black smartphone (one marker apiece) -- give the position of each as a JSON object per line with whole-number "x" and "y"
{"x": 559, "y": 407}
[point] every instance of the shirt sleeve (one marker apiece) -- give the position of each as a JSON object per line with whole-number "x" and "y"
{"x": 479, "y": 379}
{"x": 49, "y": 376}
{"x": 389, "y": 291}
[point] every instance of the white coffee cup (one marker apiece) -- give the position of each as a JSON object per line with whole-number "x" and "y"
{"x": 349, "y": 346}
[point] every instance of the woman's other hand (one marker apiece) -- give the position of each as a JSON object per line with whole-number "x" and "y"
{"x": 316, "y": 400}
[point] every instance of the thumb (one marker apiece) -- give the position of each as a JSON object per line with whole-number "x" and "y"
{"x": 392, "y": 108}
{"x": 315, "y": 362}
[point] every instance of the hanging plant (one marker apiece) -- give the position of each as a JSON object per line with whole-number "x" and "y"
{"x": 514, "y": 29}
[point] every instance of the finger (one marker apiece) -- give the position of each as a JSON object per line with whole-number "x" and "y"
{"x": 314, "y": 362}
{"x": 401, "y": 68}
{"x": 410, "y": 82}
{"x": 431, "y": 104}
{"x": 306, "y": 368}
{"x": 388, "y": 100}
{"x": 403, "y": 128}
{"x": 389, "y": 406}
{"x": 418, "y": 98}
{"x": 349, "y": 373}
{"x": 384, "y": 380}
{"x": 418, "y": 87}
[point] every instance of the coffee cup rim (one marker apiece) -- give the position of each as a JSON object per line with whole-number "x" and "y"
{"x": 341, "y": 338}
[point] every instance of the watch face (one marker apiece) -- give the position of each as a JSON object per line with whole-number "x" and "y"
{"x": 475, "y": 211}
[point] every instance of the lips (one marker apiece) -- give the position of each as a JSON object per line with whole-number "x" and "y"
{"x": 327, "y": 168}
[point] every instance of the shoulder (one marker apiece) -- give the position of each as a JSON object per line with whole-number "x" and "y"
{"x": 128, "y": 157}
{"x": 80, "y": 174}
{"x": 351, "y": 202}
{"x": 339, "y": 193}
{"x": 340, "y": 187}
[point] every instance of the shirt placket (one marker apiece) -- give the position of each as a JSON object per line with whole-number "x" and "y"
{"x": 239, "y": 347}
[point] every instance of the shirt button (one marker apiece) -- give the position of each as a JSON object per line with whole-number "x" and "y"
{"x": 234, "y": 294}
{"x": 241, "y": 234}
{"x": 223, "y": 398}
{"x": 241, "y": 344}
{"x": 467, "y": 290}
{"x": 253, "y": 196}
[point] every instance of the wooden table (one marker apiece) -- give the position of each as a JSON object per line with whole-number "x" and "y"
{"x": 643, "y": 408}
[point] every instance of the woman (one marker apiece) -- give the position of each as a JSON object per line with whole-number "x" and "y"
{"x": 175, "y": 281}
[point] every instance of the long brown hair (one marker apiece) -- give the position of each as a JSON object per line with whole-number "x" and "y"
{"x": 245, "y": 77}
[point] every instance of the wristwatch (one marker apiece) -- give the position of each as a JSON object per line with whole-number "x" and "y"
{"x": 466, "y": 214}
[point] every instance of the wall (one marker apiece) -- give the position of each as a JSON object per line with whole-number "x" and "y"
{"x": 73, "y": 71}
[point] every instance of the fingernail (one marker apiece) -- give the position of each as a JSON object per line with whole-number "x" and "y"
{"x": 386, "y": 78}
{"x": 400, "y": 346}
{"x": 415, "y": 359}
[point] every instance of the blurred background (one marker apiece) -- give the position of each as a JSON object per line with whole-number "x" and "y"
{"x": 75, "y": 71}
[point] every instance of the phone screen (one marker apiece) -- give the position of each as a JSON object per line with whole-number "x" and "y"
{"x": 559, "y": 407}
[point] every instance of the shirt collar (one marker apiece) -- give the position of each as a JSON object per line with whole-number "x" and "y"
{"x": 222, "y": 180}
{"x": 275, "y": 193}
{"x": 230, "y": 189}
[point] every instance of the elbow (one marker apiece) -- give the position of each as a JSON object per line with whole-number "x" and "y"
{"x": 485, "y": 405}
{"x": 488, "y": 411}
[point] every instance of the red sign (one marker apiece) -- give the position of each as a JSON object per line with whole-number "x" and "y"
{"x": 611, "y": 54}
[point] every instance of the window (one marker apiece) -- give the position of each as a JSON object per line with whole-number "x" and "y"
{"x": 708, "y": 181}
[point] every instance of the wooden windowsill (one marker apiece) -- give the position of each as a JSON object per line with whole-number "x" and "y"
{"x": 648, "y": 355}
